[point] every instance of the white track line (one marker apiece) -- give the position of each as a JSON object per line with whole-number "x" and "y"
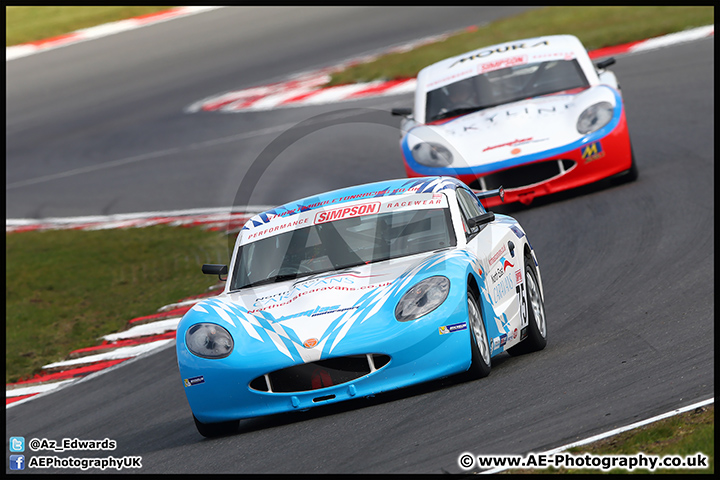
{"x": 99, "y": 31}
{"x": 616, "y": 431}
{"x": 45, "y": 387}
{"x": 153, "y": 328}
{"x": 123, "y": 352}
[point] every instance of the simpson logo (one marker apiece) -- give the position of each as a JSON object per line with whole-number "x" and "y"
{"x": 592, "y": 152}
{"x": 504, "y": 63}
{"x": 456, "y": 327}
{"x": 189, "y": 382}
{"x": 518, "y": 277}
{"x": 347, "y": 212}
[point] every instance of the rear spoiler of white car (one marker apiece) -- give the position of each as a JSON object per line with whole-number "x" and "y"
{"x": 491, "y": 193}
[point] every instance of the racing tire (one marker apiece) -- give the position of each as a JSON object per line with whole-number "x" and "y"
{"x": 481, "y": 363}
{"x": 210, "y": 430}
{"x": 537, "y": 325}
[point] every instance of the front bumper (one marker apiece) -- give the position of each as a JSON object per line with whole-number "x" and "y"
{"x": 220, "y": 390}
{"x": 596, "y": 159}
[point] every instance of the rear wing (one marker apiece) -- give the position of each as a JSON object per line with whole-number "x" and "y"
{"x": 480, "y": 194}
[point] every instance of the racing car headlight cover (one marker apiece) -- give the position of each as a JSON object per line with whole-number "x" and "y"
{"x": 432, "y": 154}
{"x": 595, "y": 117}
{"x": 422, "y": 298}
{"x": 208, "y": 340}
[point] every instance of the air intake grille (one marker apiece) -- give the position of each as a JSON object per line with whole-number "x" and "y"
{"x": 524, "y": 175}
{"x": 320, "y": 374}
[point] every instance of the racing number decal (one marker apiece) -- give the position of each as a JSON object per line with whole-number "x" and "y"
{"x": 520, "y": 291}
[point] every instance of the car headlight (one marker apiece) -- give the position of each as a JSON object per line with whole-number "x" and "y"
{"x": 595, "y": 117}
{"x": 422, "y": 298}
{"x": 208, "y": 340}
{"x": 432, "y": 154}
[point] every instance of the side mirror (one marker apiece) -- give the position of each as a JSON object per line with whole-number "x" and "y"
{"x": 212, "y": 269}
{"x": 403, "y": 112}
{"x": 480, "y": 220}
{"x": 605, "y": 63}
{"x": 499, "y": 192}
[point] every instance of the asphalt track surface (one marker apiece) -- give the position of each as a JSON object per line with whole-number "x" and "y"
{"x": 628, "y": 269}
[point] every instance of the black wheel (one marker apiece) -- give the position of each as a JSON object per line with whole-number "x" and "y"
{"x": 480, "y": 366}
{"x": 537, "y": 327}
{"x": 216, "y": 429}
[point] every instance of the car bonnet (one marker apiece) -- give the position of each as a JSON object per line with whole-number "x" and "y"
{"x": 307, "y": 318}
{"x": 513, "y": 133}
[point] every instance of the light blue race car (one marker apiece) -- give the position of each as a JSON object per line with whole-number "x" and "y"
{"x": 355, "y": 292}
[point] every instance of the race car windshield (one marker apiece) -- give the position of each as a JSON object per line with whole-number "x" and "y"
{"x": 502, "y": 86}
{"x": 341, "y": 244}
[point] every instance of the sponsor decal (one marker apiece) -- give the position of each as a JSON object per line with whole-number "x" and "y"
{"x": 326, "y": 310}
{"x": 517, "y": 141}
{"x": 503, "y": 63}
{"x": 502, "y": 288}
{"x": 500, "y": 49}
{"x": 503, "y": 339}
{"x": 414, "y": 203}
{"x": 347, "y": 212}
{"x": 496, "y": 256}
{"x": 592, "y": 152}
{"x": 456, "y": 327}
{"x": 518, "y": 276}
{"x": 523, "y": 333}
{"x": 335, "y": 282}
{"x": 526, "y": 110}
{"x": 189, "y": 382}
{"x": 260, "y": 233}
{"x": 517, "y": 231}
{"x": 505, "y": 263}
{"x": 515, "y": 151}
{"x": 449, "y": 79}
{"x": 497, "y": 274}
{"x": 310, "y": 342}
{"x": 514, "y": 334}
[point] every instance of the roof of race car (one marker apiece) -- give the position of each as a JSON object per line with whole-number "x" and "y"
{"x": 358, "y": 192}
{"x": 493, "y": 57}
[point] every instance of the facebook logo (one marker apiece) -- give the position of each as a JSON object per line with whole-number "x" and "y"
{"x": 17, "y": 444}
{"x": 17, "y": 462}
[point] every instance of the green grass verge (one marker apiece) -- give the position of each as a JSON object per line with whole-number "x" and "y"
{"x": 66, "y": 288}
{"x": 29, "y": 24}
{"x": 596, "y": 27}
{"x": 685, "y": 435}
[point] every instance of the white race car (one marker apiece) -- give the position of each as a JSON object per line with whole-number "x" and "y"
{"x": 534, "y": 116}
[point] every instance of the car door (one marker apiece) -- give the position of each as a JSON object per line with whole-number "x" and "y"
{"x": 503, "y": 300}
